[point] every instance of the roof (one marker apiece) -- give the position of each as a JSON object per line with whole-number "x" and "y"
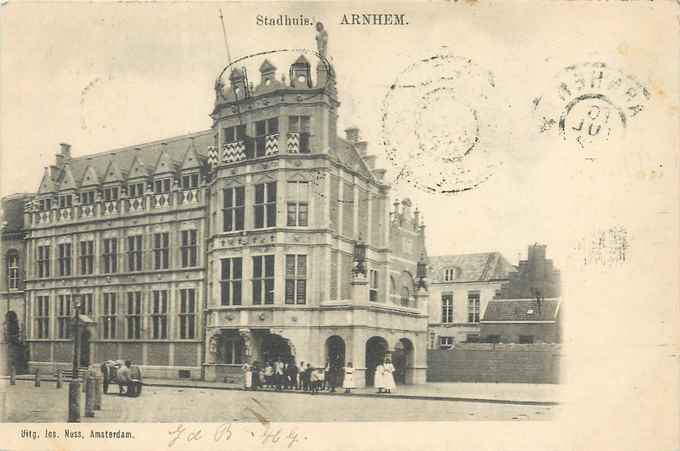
{"x": 348, "y": 156}
{"x": 521, "y": 310}
{"x": 13, "y": 212}
{"x": 147, "y": 155}
{"x": 478, "y": 267}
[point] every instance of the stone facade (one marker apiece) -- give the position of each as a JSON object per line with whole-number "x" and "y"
{"x": 238, "y": 243}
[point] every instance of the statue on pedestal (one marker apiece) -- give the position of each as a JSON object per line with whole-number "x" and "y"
{"x": 321, "y": 40}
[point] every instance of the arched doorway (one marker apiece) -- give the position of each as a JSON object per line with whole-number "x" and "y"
{"x": 403, "y": 360}
{"x": 335, "y": 351}
{"x": 275, "y": 347}
{"x": 376, "y": 347}
{"x": 85, "y": 348}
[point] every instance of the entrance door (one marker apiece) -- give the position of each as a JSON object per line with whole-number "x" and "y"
{"x": 335, "y": 351}
{"x": 275, "y": 346}
{"x": 85, "y": 348}
{"x": 402, "y": 358}
{"x": 376, "y": 347}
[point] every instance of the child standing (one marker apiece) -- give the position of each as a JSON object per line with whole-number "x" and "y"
{"x": 348, "y": 381}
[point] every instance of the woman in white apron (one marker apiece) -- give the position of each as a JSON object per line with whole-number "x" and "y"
{"x": 348, "y": 380}
{"x": 247, "y": 376}
{"x": 378, "y": 378}
{"x": 388, "y": 376}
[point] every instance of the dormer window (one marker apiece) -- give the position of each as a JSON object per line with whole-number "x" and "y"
{"x": 45, "y": 204}
{"x": 111, "y": 194}
{"x": 190, "y": 181}
{"x": 161, "y": 186}
{"x": 136, "y": 189}
{"x": 87, "y": 198}
{"x": 450, "y": 274}
{"x": 300, "y": 125}
{"x": 65, "y": 201}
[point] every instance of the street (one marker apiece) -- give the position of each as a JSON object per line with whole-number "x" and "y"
{"x": 26, "y": 403}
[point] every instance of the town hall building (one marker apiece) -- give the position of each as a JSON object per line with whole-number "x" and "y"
{"x": 265, "y": 236}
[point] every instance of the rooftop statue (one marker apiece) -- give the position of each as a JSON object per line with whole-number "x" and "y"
{"x": 321, "y": 39}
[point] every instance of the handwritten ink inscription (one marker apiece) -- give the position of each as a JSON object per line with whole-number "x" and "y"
{"x": 266, "y": 435}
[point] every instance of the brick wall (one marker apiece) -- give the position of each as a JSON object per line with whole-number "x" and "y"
{"x": 483, "y": 362}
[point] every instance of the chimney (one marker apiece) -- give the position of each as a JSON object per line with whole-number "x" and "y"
{"x": 54, "y": 171}
{"x": 396, "y": 207}
{"x": 66, "y": 150}
{"x": 352, "y": 134}
{"x": 416, "y": 218}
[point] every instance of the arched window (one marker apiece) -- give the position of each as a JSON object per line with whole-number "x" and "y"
{"x": 405, "y": 296}
{"x": 13, "y": 270}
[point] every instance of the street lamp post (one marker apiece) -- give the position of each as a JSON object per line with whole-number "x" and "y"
{"x": 74, "y": 386}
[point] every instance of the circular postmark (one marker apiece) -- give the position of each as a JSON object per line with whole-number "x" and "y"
{"x": 590, "y": 102}
{"x": 434, "y": 128}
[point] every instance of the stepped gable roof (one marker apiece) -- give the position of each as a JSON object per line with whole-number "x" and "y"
{"x": 148, "y": 154}
{"x": 346, "y": 154}
{"x": 521, "y": 310}
{"x": 479, "y": 267}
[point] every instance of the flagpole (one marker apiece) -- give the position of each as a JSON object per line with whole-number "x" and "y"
{"x": 224, "y": 33}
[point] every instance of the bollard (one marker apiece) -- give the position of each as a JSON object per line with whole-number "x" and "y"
{"x": 13, "y": 376}
{"x": 37, "y": 377}
{"x": 98, "y": 393}
{"x": 82, "y": 380}
{"x": 89, "y": 396}
{"x": 74, "y": 401}
{"x": 59, "y": 378}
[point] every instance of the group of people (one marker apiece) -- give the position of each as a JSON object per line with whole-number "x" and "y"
{"x": 281, "y": 375}
{"x": 127, "y": 375}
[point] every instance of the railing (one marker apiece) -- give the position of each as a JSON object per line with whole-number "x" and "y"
{"x": 271, "y": 145}
{"x": 233, "y": 152}
{"x": 136, "y": 204}
{"x": 190, "y": 196}
{"x": 87, "y": 211}
{"x": 110, "y": 208}
{"x": 161, "y": 200}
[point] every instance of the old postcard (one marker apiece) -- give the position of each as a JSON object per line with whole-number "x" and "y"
{"x": 335, "y": 226}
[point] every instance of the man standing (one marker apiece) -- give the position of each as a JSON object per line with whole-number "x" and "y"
{"x": 123, "y": 377}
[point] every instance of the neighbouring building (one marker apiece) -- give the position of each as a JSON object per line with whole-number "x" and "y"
{"x": 461, "y": 286}
{"x": 527, "y": 309}
{"x": 265, "y": 236}
{"x": 12, "y": 299}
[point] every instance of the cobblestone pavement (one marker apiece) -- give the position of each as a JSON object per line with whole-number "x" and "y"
{"x": 25, "y": 403}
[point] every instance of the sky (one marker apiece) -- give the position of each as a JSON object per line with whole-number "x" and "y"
{"x": 113, "y": 75}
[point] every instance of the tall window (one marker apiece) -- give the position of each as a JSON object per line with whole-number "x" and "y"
{"x": 133, "y": 317}
{"x": 12, "y": 270}
{"x": 187, "y": 313}
{"x": 87, "y": 304}
{"x": 300, "y": 124}
{"x": 87, "y": 197}
{"x": 110, "y": 194}
{"x": 161, "y": 186}
{"x": 63, "y": 315}
{"x": 296, "y": 279}
{"x": 373, "y": 285}
{"x": 234, "y": 208}
{"x": 161, "y": 251}
{"x": 263, "y": 279}
{"x": 265, "y": 205}
{"x": 109, "y": 316}
{"x": 298, "y": 203}
{"x": 65, "y": 201}
{"x": 189, "y": 248}
{"x": 136, "y": 189}
{"x": 473, "y": 306}
{"x": 43, "y": 261}
{"x": 86, "y": 257}
{"x": 405, "y": 296}
{"x": 190, "y": 181}
{"x": 230, "y": 281}
{"x": 447, "y": 308}
{"x": 110, "y": 255}
{"x": 134, "y": 248}
{"x": 262, "y": 130}
{"x": 449, "y": 274}
{"x": 64, "y": 250}
{"x": 159, "y": 315}
{"x": 42, "y": 316}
